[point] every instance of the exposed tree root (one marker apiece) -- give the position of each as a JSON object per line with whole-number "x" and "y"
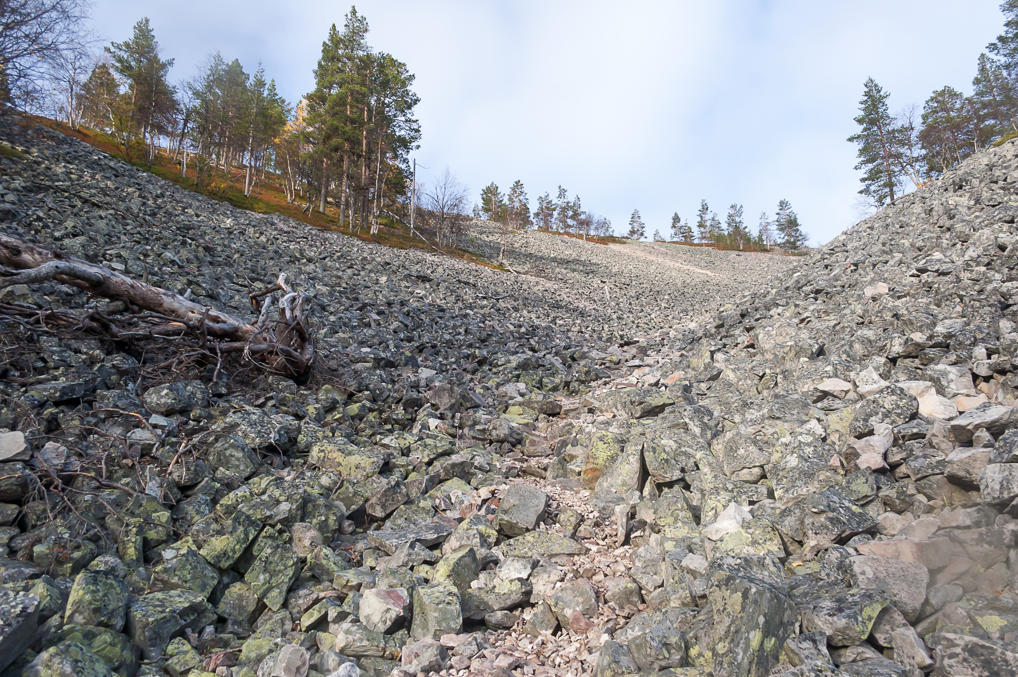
{"x": 280, "y": 344}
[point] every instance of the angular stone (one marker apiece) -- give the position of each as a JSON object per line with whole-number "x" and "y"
{"x": 19, "y": 621}
{"x": 520, "y": 509}
{"x": 1005, "y": 450}
{"x": 272, "y": 574}
{"x": 356, "y": 641}
{"x": 222, "y": 539}
{"x": 672, "y": 457}
{"x": 290, "y": 661}
{"x": 477, "y": 603}
{"x": 97, "y": 598}
{"x": 998, "y": 483}
{"x": 964, "y": 465}
{"x": 183, "y": 567}
{"x": 957, "y": 654}
{"x": 846, "y": 617}
{"x": 67, "y": 659}
{"x": 614, "y": 660}
{"x": 436, "y": 611}
{"x": 13, "y": 447}
{"x": 656, "y": 638}
{"x": 232, "y": 454}
{"x": 384, "y": 610}
{"x": 576, "y": 596}
{"x": 903, "y": 582}
{"x": 112, "y": 648}
{"x": 541, "y": 544}
{"x": 993, "y": 418}
{"x": 428, "y": 534}
{"x": 176, "y": 398}
{"x": 891, "y": 405}
{"x": 155, "y": 618}
{"x": 749, "y": 620}
{"x": 459, "y": 568}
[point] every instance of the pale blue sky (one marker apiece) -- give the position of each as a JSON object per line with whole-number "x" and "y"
{"x": 652, "y": 105}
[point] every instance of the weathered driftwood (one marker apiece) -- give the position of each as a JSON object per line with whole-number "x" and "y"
{"x": 282, "y": 344}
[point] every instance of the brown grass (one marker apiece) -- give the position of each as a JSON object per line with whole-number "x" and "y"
{"x": 267, "y": 197}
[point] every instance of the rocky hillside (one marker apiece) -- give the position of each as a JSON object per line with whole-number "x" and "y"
{"x": 565, "y": 471}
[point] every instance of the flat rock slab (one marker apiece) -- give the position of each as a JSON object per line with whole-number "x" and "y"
{"x": 541, "y": 544}
{"x": 19, "y": 621}
{"x": 429, "y": 534}
{"x": 521, "y": 509}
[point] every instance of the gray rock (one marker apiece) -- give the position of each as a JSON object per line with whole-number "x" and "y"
{"x": 384, "y": 610}
{"x": 176, "y": 398}
{"x": 436, "y": 611}
{"x": 998, "y": 483}
{"x": 614, "y": 659}
{"x": 521, "y": 509}
{"x": 903, "y": 582}
{"x": 155, "y": 618}
{"x": 19, "y": 621}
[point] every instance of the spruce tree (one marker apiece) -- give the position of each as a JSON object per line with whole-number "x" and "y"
{"x": 518, "y": 205}
{"x": 994, "y": 99}
{"x": 946, "y": 125}
{"x": 703, "y": 222}
{"x": 492, "y": 204}
{"x": 562, "y": 210}
{"x": 786, "y": 223}
{"x": 876, "y": 141}
{"x": 676, "y": 226}
{"x": 637, "y": 229}
{"x": 544, "y": 215}
{"x": 737, "y": 232}
{"x": 150, "y": 98}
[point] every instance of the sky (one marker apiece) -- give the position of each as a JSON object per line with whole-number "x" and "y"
{"x": 637, "y": 105}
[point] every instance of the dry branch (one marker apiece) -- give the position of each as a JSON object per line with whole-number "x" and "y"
{"x": 282, "y": 345}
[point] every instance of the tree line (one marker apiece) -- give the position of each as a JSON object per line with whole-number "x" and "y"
{"x": 559, "y": 214}
{"x": 783, "y": 230}
{"x": 346, "y": 143}
{"x": 894, "y": 150}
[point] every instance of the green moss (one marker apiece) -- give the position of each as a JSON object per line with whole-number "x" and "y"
{"x": 11, "y": 152}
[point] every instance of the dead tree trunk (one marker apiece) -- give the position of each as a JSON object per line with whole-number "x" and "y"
{"x": 281, "y": 345}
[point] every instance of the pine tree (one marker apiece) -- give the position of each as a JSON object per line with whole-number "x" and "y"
{"x": 99, "y": 97}
{"x": 786, "y": 223}
{"x": 637, "y": 229}
{"x": 658, "y": 237}
{"x": 492, "y": 204}
{"x": 544, "y": 215}
{"x": 876, "y": 139}
{"x": 518, "y": 206}
{"x": 945, "y": 125}
{"x": 702, "y": 222}
{"x": 562, "y": 210}
{"x": 737, "y": 232}
{"x": 1005, "y": 47}
{"x": 150, "y": 98}
{"x": 994, "y": 99}
{"x": 714, "y": 231}
{"x": 676, "y": 230}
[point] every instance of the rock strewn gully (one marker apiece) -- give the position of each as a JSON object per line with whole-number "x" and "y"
{"x": 820, "y": 478}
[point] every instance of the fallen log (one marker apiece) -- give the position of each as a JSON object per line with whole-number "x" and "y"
{"x": 280, "y": 344}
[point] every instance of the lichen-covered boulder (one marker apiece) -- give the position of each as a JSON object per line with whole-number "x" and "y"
{"x": 436, "y": 611}
{"x": 176, "y": 398}
{"x": 67, "y": 659}
{"x": 99, "y": 596}
{"x": 155, "y": 618}
{"x": 272, "y": 574}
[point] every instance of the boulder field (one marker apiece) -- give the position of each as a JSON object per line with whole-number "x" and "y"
{"x": 625, "y": 460}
